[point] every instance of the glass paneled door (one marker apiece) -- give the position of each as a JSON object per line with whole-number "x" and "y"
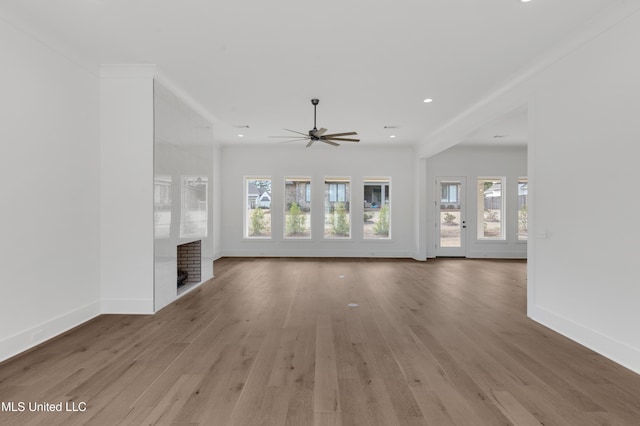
{"x": 450, "y": 217}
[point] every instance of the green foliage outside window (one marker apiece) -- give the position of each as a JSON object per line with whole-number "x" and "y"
{"x": 257, "y": 222}
{"x": 340, "y": 221}
{"x": 522, "y": 218}
{"x": 449, "y": 218}
{"x": 295, "y": 220}
{"x": 382, "y": 226}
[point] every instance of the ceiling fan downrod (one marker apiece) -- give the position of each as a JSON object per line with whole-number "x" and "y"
{"x": 315, "y": 103}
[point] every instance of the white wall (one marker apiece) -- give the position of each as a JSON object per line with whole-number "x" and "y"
{"x": 126, "y": 185}
{"x": 582, "y": 167}
{"x": 318, "y": 162}
{"x": 472, "y": 163}
{"x": 585, "y": 157}
{"x": 49, "y": 156}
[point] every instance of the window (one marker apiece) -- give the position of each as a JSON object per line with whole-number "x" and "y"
{"x": 193, "y": 221}
{"x": 337, "y": 220}
{"x": 523, "y": 189}
{"x": 450, "y": 197}
{"x": 337, "y": 192}
{"x": 257, "y": 218}
{"x": 377, "y": 205}
{"x": 490, "y": 208}
{"x": 297, "y": 208}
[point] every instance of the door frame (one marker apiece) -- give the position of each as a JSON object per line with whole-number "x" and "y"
{"x": 464, "y": 225}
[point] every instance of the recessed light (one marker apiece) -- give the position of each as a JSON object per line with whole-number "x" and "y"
{"x": 392, "y": 136}
{"x": 428, "y": 101}
{"x": 241, "y": 136}
{"x": 525, "y": 1}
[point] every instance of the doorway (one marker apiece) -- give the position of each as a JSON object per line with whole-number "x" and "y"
{"x": 451, "y": 223}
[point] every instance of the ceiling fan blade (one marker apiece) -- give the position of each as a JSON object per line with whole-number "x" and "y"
{"x": 329, "y": 142}
{"x": 341, "y": 139}
{"x": 289, "y": 137}
{"x": 320, "y": 132}
{"x": 295, "y": 140}
{"x": 310, "y": 143}
{"x": 341, "y": 134}
{"x": 300, "y": 133}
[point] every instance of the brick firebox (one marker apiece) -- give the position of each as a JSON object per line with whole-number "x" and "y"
{"x": 189, "y": 259}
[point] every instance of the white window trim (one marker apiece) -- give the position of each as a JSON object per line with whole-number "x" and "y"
{"x": 386, "y": 180}
{"x": 480, "y": 210}
{"x": 308, "y": 182}
{"x": 337, "y": 179}
{"x": 245, "y": 198}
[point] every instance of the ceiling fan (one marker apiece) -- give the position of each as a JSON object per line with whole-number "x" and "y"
{"x": 318, "y": 135}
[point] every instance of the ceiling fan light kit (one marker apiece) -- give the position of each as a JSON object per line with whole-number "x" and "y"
{"x": 318, "y": 135}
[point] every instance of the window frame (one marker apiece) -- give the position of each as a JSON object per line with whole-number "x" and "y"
{"x": 480, "y": 207}
{"x": 347, "y": 184}
{"x": 307, "y": 197}
{"x": 384, "y": 183}
{"x": 525, "y": 180}
{"x": 246, "y": 208}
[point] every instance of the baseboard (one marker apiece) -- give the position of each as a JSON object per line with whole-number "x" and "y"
{"x": 496, "y": 255}
{"x": 42, "y": 332}
{"x": 615, "y": 350}
{"x": 320, "y": 253}
{"x": 127, "y": 306}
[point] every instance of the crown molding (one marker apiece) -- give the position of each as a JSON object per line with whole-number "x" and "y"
{"x": 143, "y": 71}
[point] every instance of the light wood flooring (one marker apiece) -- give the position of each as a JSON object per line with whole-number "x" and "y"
{"x": 274, "y": 342}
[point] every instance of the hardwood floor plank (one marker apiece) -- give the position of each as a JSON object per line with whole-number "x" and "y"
{"x": 513, "y": 410}
{"x": 271, "y": 341}
{"x": 168, "y": 407}
{"x": 484, "y": 409}
{"x": 326, "y": 398}
{"x": 434, "y": 411}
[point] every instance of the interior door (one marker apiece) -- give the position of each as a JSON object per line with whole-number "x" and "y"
{"x": 450, "y": 216}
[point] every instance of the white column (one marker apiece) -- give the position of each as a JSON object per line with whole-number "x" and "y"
{"x": 126, "y": 189}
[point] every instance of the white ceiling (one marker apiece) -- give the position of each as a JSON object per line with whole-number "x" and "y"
{"x": 510, "y": 129}
{"x": 371, "y": 63}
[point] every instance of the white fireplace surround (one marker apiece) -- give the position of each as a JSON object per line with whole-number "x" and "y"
{"x": 148, "y": 133}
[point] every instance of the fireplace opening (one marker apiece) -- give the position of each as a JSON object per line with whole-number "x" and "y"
{"x": 189, "y": 269}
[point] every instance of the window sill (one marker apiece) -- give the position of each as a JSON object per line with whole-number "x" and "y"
{"x": 479, "y": 241}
